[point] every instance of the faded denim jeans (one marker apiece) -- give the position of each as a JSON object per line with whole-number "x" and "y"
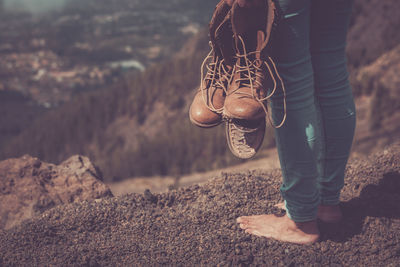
{"x": 315, "y": 141}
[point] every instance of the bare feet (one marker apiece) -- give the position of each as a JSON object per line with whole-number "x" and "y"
{"x": 280, "y": 228}
{"x": 327, "y": 214}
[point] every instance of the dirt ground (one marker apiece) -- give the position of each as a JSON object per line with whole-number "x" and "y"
{"x": 196, "y": 225}
{"x": 160, "y": 184}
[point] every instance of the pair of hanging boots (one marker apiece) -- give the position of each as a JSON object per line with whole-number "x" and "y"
{"x": 240, "y": 76}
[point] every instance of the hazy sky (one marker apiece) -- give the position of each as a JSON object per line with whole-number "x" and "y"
{"x": 34, "y": 6}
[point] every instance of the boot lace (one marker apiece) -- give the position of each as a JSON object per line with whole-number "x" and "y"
{"x": 217, "y": 76}
{"x": 250, "y": 71}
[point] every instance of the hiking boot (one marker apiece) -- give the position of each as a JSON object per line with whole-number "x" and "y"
{"x": 207, "y": 106}
{"x": 245, "y": 137}
{"x": 253, "y": 73}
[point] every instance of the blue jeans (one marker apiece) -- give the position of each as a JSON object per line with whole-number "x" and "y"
{"x": 315, "y": 141}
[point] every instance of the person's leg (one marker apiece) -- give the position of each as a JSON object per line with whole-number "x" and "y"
{"x": 297, "y": 139}
{"x": 329, "y": 23}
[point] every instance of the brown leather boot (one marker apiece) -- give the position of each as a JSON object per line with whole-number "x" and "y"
{"x": 253, "y": 73}
{"x": 207, "y": 106}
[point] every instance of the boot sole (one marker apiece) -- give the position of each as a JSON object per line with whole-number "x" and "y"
{"x": 228, "y": 115}
{"x": 256, "y": 148}
{"x": 203, "y": 125}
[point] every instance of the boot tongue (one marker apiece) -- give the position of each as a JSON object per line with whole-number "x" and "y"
{"x": 260, "y": 43}
{"x": 271, "y": 17}
{"x": 219, "y": 16}
{"x": 254, "y": 42}
{"x": 223, "y": 37}
{"x": 247, "y": 23}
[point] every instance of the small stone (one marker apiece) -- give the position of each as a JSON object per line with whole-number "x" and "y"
{"x": 324, "y": 247}
{"x": 37, "y": 164}
{"x": 238, "y": 249}
{"x": 149, "y": 196}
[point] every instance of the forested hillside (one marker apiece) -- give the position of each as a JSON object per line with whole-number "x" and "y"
{"x": 138, "y": 127}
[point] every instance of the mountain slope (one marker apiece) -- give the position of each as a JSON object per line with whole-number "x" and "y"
{"x": 196, "y": 225}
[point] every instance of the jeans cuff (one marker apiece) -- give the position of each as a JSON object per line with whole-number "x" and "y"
{"x": 330, "y": 200}
{"x": 304, "y": 217}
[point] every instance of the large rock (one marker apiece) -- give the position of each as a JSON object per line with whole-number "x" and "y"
{"x": 383, "y": 80}
{"x": 29, "y": 186}
{"x": 374, "y": 31}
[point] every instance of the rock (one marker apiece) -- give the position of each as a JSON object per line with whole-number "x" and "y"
{"x": 28, "y": 186}
{"x": 383, "y": 82}
{"x": 373, "y": 31}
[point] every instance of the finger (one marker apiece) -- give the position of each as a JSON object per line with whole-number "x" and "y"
{"x": 250, "y": 3}
{"x": 247, "y": 3}
{"x": 229, "y": 2}
{"x": 243, "y": 3}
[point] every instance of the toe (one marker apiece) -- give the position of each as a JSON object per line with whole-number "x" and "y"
{"x": 249, "y": 231}
{"x": 242, "y": 219}
{"x": 243, "y": 226}
{"x": 253, "y": 232}
{"x": 280, "y": 206}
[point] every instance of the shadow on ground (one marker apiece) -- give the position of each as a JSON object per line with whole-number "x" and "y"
{"x": 376, "y": 203}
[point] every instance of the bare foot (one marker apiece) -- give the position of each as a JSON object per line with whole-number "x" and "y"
{"x": 281, "y": 206}
{"x": 280, "y": 228}
{"x": 330, "y": 214}
{"x": 327, "y": 214}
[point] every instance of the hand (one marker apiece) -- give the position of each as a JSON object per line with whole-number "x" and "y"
{"x": 245, "y": 3}
{"x": 230, "y": 2}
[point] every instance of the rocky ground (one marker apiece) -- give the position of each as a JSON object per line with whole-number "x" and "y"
{"x": 196, "y": 225}
{"x": 265, "y": 160}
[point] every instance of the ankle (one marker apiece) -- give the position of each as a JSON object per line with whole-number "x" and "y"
{"x": 329, "y": 208}
{"x": 304, "y": 226}
{"x": 330, "y": 213}
{"x": 308, "y": 227}
{"x": 308, "y": 231}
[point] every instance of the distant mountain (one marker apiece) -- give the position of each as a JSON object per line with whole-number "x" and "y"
{"x": 86, "y": 45}
{"x": 99, "y": 31}
{"x": 35, "y": 7}
{"x": 77, "y": 46}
